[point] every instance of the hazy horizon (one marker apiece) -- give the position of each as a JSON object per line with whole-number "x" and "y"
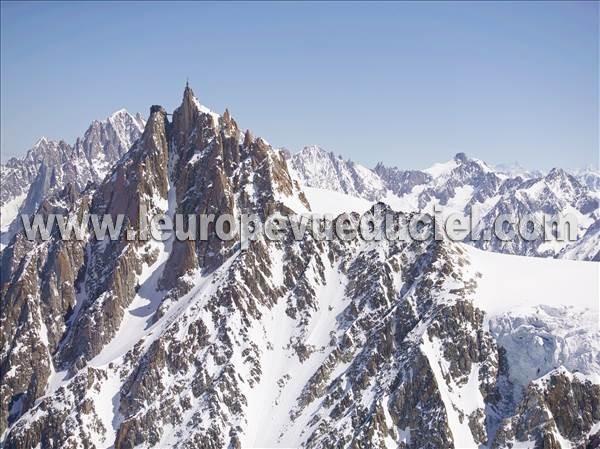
{"x": 403, "y": 83}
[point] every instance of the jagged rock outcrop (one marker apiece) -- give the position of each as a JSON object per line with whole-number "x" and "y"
{"x": 106, "y": 284}
{"x": 39, "y": 294}
{"x": 560, "y": 410}
{"x": 401, "y": 182}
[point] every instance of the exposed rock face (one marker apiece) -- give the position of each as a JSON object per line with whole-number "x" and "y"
{"x": 18, "y": 174}
{"x": 408, "y": 360}
{"x": 109, "y": 282}
{"x": 38, "y": 298}
{"x": 52, "y": 291}
{"x": 155, "y": 172}
{"x": 217, "y": 171}
{"x": 401, "y": 182}
{"x": 557, "y": 411}
{"x": 311, "y": 343}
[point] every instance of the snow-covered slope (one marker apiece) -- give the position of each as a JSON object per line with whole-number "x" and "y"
{"x": 542, "y": 325}
{"x": 325, "y": 201}
{"x": 587, "y": 247}
{"x": 8, "y": 213}
{"x": 498, "y": 295}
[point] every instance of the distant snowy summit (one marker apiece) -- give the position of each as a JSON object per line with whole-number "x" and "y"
{"x": 51, "y": 165}
{"x": 316, "y": 167}
{"x": 89, "y": 158}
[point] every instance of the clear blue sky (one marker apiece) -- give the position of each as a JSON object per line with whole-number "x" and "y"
{"x": 405, "y": 83}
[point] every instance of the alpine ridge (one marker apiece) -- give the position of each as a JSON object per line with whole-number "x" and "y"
{"x": 311, "y": 343}
{"x": 463, "y": 184}
{"x": 51, "y": 165}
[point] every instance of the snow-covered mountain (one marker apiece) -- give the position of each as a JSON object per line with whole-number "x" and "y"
{"x": 514, "y": 169}
{"x": 51, "y": 165}
{"x": 586, "y": 247}
{"x": 317, "y": 168}
{"x": 589, "y": 177}
{"x": 311, "y": 343}
{"x": 557, "y": 192}
{"x": 464, "y": 183}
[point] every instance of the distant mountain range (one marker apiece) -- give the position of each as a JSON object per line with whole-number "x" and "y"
{"x": 51, "y": 165}
{"x": 464, "y": 183}
{"x": 459, "y": 185}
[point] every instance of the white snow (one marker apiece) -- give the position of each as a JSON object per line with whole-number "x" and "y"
{"x": 441, "y": 169}
{"x": 136, "y": 320}
{"x": 540, "y": 339}
{"x": 269, "y": 423}
{"x": 585, "y": 247}
{"x": 324, "y": 201}
{"x": 203, "y": 109}
{"x": 8, "y": 213}
{"x": 544, "y": 312}
{"x": 457, "y": 203}
{"x": 317, "y": 167}
{"x": 10, "y": 210}
{"x": 456, "y": 398}
{"x": 511, "y": 281}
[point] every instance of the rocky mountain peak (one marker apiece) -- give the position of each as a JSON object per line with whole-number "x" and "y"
{"x": 192, "y": 117}
{"x": 556, "y": 174}
{"x": 119, "y": 114}
{"x": 248, "y": 139}
{"x": 189, "y": 103}
{"x": 561, "y": 181}
{"x": 41, "y": 141}
{"x": 461, "y": 157}
{"x": 399, "y": 181}
{"x": 106, "y": 141}
{"x": 50, "y": 165}
{"x": 156, "y": 108}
